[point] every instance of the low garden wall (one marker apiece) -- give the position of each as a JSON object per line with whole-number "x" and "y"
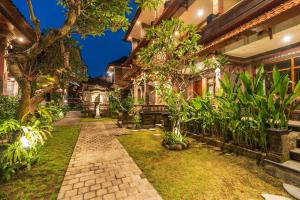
{"x": 259, "y": 156}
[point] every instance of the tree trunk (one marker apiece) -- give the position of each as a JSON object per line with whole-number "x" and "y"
{"x": 177, "y": 127}
{"x": 25, "y": 105}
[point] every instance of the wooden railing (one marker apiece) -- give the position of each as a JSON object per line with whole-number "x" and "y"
{"x": 239, "y": 14}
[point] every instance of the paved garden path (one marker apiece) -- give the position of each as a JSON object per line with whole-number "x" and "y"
{"x": 100, "y": 168}
{"x": 72, "y": 118}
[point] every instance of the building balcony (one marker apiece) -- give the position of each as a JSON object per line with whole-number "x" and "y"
{"x": 241, "y": 13}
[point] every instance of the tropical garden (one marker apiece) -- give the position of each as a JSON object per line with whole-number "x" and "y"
{"x": 43, "y": 71}
{"x": 242, "y": 112}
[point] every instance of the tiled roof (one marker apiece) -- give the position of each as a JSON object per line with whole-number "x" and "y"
{"x": 13, "y": 14}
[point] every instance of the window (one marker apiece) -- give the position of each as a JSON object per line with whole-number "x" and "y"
{"x": 296, "y": 75}
{"x": 296, "y": 70}
{"x": 297, "y": 62}
{"x": 291, "y": 67}
{"x": 282, "y": 65}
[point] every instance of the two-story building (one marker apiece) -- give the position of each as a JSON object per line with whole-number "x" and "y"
{"x": 15, "y": 32}
{"x": 248, "y": 32}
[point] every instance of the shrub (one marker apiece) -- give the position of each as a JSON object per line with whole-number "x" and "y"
{"x": 114, "y": 97}
{"x": 25, "y": 136}
{"x": 127, "y": 103}
{"x": 8, "y": 107}
{"x": 137, "y": 120}
{"x": 238, "y": 115}
{"x": 173, "y": 138}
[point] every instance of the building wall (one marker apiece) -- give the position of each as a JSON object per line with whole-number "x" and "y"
{"x": 3, "y": 71}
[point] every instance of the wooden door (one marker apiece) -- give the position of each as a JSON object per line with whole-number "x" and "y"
{"x": 198, "y": 88}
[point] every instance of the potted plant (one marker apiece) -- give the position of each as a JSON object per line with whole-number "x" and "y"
{"x": 281, "y": 104}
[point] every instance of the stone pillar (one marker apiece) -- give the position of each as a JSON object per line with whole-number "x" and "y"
{"x": 204, "y": 86}
{"x": 145, "y": 93}
{"x": 218, "y": 76}
{"x": 135, "y": 93}
{"x": 97, "y": 106}
{"x": 280, "y": 147}
{"x": 218, "y": 7}
{"x": 156, "y": 98}
{"x": 3, "y": 68}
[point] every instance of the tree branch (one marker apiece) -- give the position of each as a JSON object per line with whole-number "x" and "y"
{"x": 54, "y": 35}
{"x": 16, "y": 72}
{"x": 35, "y": 20}
{"x": 38, "y": 98}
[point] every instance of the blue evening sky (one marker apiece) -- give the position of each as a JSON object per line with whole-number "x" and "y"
{"x": 97, "y": 52}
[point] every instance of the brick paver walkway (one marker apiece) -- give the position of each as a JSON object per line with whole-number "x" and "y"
{"x": 72, "y": 118}
{"x": 100, "y": 168}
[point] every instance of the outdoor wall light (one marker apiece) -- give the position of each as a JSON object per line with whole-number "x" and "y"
{"x": 176, "y": 33}
{"x": 25, "y": 142}
{"x": 138, "y": 23}
{"x": 287, "y": 38}
{"x": 200, "y": 12}
{"x": 20, "y": 39}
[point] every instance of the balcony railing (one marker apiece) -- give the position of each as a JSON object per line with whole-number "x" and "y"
{"x": 245, "y": 11}
{"x": 154, "y": 108}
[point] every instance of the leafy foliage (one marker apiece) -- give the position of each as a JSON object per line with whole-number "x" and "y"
{"x": 26, "y": 136}
{"x": 171, "y": 138}
{"x": 149, "y": 4}
{"x": 118, "y": 104}
{"x": 127, "y": 103}
{"x": 169, "y": 59}
{"x": 44, "y": 179}
{"x": 241, "y": 114}
{"x": 51, "y": 62}
{"x": 137, "y": 120}
{"x": 238, "y": 115}
{"x": 114, "y": 98}
{"x": 282, "y": 103}
{"x": 96, "y": 17}
{"x": 8, "y": 107}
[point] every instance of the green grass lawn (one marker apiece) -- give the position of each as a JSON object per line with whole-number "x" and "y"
{"x": 43, "y": 181}
{"x": 200, "y": 172}
{"x": 103, "y": 119}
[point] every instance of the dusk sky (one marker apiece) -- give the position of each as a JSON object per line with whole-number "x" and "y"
{"x": 96, "y": 51}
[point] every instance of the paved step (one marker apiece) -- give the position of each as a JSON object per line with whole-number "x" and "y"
{"x": 295, "y": 154}
{"x": 293, "y": 165}
{"x": 288, "y": 171}
{"x": 274, "y": 197}
{"x": 292, "y": 190}
{"x": 294, "y": 125}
